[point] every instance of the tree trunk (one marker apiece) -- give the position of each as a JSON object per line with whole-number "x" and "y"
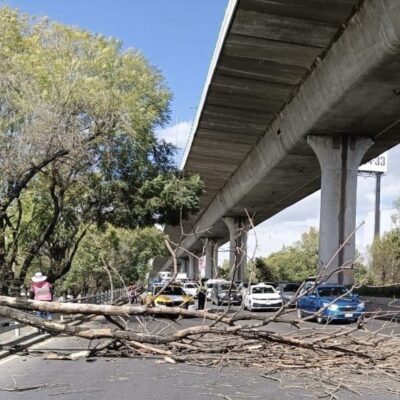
{"x": 100, "y": 309}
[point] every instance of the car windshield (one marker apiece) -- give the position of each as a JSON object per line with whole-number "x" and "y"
{"x": 171, "y": 290}
{"x": 226, "y": 286}
{"x": 259, "y": 290}
{"x": 291, "y": 287}
{"x": 332, "y": 291}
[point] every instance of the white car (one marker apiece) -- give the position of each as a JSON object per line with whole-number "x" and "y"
{"x": 190, "y": 288}
{"x": 262, "y": 297}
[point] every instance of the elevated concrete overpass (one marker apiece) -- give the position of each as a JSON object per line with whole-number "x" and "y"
{"x": 293, "y": 85}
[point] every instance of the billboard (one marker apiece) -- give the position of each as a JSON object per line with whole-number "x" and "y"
{"x": 378, "y": 164}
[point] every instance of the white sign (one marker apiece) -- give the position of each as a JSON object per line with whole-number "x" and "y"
{"x": 378, "y": 164}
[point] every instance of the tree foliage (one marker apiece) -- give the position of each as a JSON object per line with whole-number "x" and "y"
{"x": 124, "y": 253}
{"x": 292, "y": 263}
{"x": 385, "y": 258}
{"x": 385, "y": 254}
{"x": 77, "y": 144}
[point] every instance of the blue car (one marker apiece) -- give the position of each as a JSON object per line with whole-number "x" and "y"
{"x": 349, "y": 307}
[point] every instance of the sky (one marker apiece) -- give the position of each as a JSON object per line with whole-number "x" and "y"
{"x": 179, "y": 36}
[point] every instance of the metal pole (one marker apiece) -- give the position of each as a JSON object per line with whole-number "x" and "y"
{"x": 378, "y": 205}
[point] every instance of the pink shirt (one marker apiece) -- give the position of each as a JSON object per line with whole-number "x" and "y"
{"x": 42, "y": 291}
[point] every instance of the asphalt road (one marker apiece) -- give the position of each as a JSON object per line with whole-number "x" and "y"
{"x": 145, "y": 379}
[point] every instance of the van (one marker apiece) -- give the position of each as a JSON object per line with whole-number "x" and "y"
{"x": 165, "y": 276}
{"x": 181, "y": 277}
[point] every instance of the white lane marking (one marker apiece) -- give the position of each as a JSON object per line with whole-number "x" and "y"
{"x": 7, "y": 359}
{"x": 49, "y": 340}
{"x": 13, "y": 357}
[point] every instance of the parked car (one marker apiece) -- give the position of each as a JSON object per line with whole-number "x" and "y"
{"x": 210, "y": 283}
{"x": 223, "y": 293}
{"x": 190, "y": 288}
{"x": 262, "y": 297}
{"x": 349, "y": 307}
{"x": 172, "y": 296}
{"x": 288, "y": 291}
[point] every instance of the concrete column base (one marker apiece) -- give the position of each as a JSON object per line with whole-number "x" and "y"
{"x": 210, "y": 259}
{"x": 182, "y": 265}
{"x": 238, "y": 228}
{"x": 339, "y": 158}
{"x": 191, "y": 267}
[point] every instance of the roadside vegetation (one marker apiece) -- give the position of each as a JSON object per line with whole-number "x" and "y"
{"x": 82, "y": 172}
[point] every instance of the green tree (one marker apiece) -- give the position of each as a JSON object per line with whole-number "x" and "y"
{"x": 298, "y": 261}
{"x": 224, "y": 270}
{"x": 385, "y": 258}
{"x": 77, "y": 144}
{"x": 124, "y": 253}
{"x": 385, "y": 254}
{"x": 265, "y": 272}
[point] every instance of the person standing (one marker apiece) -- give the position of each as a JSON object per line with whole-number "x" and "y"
{"x": 201, "y": 296}
{"x": 41, "y": 290}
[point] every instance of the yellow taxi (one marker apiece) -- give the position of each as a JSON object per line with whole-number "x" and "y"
{"x": 172, "y": 296}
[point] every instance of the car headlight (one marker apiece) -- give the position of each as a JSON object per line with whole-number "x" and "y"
{"x": 361, "y": 306}
{"x": 332, "y": 307}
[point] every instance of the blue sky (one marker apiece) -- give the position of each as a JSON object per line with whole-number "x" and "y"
{"x": 178, "y": 36}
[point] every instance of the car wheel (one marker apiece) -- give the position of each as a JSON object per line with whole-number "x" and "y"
{"x": 300, "y": 314}
{"x": 320, "y": 320}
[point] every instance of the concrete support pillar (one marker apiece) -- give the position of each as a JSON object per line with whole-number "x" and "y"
{"x": 339, "y": 158}
{"x": 238, "y": 228}
{"x": 196, "y": 267}
{"x": 191, "y": 267}
{"x": 210, "y": 253}
{"x": 182, "y": 265}
{"x": 215, "y": 259}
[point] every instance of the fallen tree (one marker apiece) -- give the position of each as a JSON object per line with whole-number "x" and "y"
{"x": 357, "y": 357}
{"x": 345, "y": 352}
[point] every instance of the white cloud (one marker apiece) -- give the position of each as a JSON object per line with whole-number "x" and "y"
{"x": 176, "y": 134}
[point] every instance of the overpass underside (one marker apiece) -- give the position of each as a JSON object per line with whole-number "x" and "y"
{"x": 283, "y": 71}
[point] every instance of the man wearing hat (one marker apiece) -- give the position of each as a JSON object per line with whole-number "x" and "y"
{"x": 43, "y": 291}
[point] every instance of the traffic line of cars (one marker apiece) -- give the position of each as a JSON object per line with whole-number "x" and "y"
{"x": 325, "y": 303}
